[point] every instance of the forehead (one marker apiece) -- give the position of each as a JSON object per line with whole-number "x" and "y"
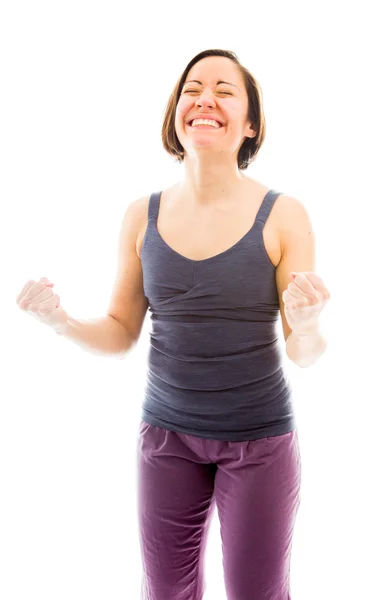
{"x": 211, "y": 69}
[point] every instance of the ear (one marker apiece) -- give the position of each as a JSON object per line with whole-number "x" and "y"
{"x": 252, "y": 132}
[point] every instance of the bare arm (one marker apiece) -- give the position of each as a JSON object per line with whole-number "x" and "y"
{"x": 104, "y": 336}
{"x": 118, "y": 331}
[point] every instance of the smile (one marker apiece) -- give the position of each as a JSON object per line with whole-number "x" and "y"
{"x": 204, "y": 127}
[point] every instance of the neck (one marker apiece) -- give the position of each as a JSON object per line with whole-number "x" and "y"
{"x": 207, "y": 184}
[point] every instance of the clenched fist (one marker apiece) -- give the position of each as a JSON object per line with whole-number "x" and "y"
{"x": 38, "y": 300}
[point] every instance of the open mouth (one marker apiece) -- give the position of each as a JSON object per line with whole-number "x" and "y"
{"x": 190, "y": 123}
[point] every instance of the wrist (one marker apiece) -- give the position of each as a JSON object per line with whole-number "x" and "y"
{"x": 305, "y": 331}
{"x": 61, "y": 328}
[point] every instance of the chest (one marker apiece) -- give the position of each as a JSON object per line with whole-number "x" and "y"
{"x": 201, "y": 234}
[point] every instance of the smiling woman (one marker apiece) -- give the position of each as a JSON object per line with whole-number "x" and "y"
{"x": 232, "y": 91}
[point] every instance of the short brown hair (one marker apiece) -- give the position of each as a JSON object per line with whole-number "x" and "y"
{"x": 251, "y": 146}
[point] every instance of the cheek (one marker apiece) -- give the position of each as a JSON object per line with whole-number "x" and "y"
{"x": 183, "y": 106}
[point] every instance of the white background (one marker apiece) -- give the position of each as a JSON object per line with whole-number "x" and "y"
{"x": 83, "y": 90}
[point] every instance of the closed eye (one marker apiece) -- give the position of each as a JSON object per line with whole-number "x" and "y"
{"x": 187, "y": 91}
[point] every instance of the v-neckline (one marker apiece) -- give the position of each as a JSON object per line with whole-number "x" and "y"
{"x": 215, "y": 256}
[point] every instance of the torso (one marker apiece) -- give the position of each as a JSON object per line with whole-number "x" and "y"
{"x": 200, "y": 233}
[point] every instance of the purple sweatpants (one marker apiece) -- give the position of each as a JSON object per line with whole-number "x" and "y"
{"x": 256, "y": 487}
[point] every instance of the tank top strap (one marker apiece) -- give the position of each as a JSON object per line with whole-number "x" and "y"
{"x": 266, "y": 205}
{"x": 262, "y": 214}
{"x": 153, "y": 205}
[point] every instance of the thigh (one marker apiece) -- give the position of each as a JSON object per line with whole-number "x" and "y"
{"x": 258, "y": 494}
{"x": 175, "y": 502}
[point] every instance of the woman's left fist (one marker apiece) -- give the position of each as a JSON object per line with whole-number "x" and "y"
{"x": 304, "y": 299}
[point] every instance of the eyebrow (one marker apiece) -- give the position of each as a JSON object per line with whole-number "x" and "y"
{"x": 219, "y": 81}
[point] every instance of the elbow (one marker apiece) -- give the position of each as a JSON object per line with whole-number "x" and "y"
{"x": 129, "y": 346}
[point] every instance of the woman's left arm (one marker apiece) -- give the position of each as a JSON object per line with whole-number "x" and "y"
{"x": 302, "y": 293}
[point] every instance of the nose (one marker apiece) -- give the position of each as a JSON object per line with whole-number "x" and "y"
{"x": 205, "y": 98}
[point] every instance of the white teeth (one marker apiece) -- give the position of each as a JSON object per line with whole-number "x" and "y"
{"x": 205, "y": 122}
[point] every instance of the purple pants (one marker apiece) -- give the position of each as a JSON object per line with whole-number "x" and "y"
{"x": 256, "y": 487}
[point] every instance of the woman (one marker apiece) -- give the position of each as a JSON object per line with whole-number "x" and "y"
{"x": 212, "y": 257}
{"x": 217, "y": 424}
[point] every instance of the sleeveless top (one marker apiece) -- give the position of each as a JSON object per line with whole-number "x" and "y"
{"x": 214, "y": 364}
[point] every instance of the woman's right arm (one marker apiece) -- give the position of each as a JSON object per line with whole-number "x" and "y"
{"x": 116, "y": 332}
{"x": 103, "y": 336}
{"x": 119, "y": 330}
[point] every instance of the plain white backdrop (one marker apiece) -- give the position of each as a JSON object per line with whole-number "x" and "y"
{"x": 83, "y": 90}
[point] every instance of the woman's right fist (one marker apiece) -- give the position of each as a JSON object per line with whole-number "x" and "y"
{"x": 38, "y": 300}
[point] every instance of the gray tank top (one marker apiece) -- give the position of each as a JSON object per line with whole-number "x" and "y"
{"x": 214, "y": 363}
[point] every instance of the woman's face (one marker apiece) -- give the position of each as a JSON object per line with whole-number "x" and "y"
{"x": 226, "y": 102}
